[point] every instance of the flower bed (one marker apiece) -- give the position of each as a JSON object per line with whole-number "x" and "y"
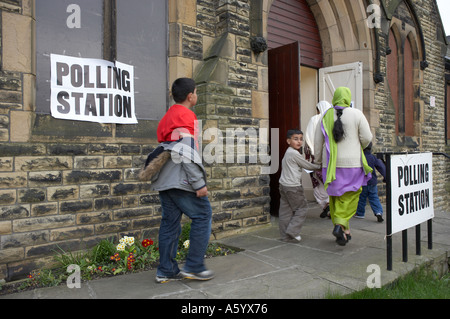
{"x": 110, "y": 259}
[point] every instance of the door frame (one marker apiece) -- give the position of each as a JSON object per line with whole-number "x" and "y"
{"x": 284, "y": 104}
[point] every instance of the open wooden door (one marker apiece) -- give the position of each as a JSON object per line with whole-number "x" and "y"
{"x": 284, "y": 104}
{"x": 348, "y": 75}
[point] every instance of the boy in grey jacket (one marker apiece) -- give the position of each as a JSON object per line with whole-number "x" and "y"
{"x": 293, "y": 205}
{"x": 181, "y": 183}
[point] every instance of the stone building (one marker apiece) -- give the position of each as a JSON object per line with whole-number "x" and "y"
{"x": 259, "y": 65}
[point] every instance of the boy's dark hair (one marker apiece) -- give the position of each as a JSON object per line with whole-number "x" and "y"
{"x": 181, "y": 88}
{"x": 292, "y": 132}
{"x": 338, "y": 129}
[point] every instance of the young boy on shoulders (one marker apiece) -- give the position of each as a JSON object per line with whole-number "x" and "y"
{"x": 293, "y": 205}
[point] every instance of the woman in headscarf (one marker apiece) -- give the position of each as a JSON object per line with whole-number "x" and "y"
{"x": 320, "y": 194}
{"x": 338, "y": 144}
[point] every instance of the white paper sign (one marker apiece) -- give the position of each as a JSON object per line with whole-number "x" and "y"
{"x": 92, "y": 90}
{"x": 432, "y": 101}
{"x": 412, "y": 190}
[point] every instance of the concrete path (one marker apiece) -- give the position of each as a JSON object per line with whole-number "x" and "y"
{"x": 271, "y": 269}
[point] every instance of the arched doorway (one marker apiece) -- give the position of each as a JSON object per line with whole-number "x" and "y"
{"x": 294, "y": 57}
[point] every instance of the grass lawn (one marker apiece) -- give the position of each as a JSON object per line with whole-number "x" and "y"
{"x": 419, "y": 284}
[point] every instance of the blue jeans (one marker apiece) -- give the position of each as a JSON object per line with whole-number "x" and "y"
{"x": 175, "y": 203}
{"x": 371, "y": 192}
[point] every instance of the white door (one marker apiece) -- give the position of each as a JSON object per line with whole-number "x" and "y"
{"x": 348, "y": 75}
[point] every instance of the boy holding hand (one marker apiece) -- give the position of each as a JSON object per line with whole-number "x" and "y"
{"x": 293, "y": 205}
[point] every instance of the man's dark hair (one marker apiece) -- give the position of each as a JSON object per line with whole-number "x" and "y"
{"x": 292, "y": 132}
{"x": 181, "y": 89}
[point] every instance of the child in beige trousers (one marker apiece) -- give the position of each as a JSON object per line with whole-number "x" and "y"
{"x": 293, "y": 204}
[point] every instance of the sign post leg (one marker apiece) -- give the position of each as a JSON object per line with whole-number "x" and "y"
{"x": 388, "y": 213}
{"x": 389, "y": 252}
{"x": 418, "y": 248}
{"x": 430, "y": 234}
{"x": 405, "y": 245}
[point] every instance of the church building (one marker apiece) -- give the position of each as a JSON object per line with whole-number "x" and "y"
{"x": 84, "y": 83}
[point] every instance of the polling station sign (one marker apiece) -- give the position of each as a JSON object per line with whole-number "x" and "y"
{"x": 411, "y": 189}
{"x": 92, "y": 90}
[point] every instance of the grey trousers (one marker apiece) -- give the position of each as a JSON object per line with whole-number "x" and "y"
{"x": 293, "y": 210}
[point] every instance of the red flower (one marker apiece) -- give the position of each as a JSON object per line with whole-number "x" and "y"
{"x": 131, "y": 258}
{"x": 147, "y": 242}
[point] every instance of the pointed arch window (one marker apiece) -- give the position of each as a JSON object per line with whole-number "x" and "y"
{"x": 403, "y": 69}
{"x": 408, "y": 117}
{"x": 393, "y": 76}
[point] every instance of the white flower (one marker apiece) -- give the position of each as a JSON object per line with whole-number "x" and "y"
{"x": 130, "y": 241}
{"x": 121, "y": 247}
{"x": 127, "y": 240}
{"x": 186, "y": 244}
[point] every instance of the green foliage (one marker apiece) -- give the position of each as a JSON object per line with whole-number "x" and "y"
{"x": 185, "y": 232}
{"x": 110, "y": 259}
{"x": 102, "y": 251}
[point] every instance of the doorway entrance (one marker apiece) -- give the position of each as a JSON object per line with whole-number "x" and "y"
{"x": 293, "y": 95}
{"x": 284, "y": 104}
{"x": 298, "y": 80}
{"x": 294, "y": 57}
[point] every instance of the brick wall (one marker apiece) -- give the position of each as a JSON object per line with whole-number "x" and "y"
{"x": 429, "y": 121}
{"x": 432, "y": 123}
{"x": 66, "y": 191}
{"x": 228, "y": 81}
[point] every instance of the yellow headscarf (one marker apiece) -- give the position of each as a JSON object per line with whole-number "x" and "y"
{"x": 342, "y": 97}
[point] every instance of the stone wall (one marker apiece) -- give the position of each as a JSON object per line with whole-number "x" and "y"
{"x": 433, "y": 117}
{"x": 69, "y": 189}
{"x": 64, "y": 186}
{"x": 429, "y": 120}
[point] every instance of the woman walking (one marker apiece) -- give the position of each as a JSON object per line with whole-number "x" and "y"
{"x": 320, "y": 194}
{"x": 339, "y": 142}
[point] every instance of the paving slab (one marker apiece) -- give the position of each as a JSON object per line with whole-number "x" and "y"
{"x": 270, "y": 269}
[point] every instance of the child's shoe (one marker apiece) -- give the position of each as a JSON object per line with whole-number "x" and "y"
{"x": 379, "y": 217}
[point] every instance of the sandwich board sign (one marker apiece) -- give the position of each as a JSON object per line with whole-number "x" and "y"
{"x": 412, "y": 190}
{"x": 409, "y": 198}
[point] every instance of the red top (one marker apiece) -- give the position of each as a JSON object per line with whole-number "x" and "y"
{"x": 177, "y": 117}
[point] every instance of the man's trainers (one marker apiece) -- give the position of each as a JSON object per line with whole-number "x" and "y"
{"x": 164, "y": 279}
{"x": 204, "y": 275}
{"x": 379, "y": 218}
